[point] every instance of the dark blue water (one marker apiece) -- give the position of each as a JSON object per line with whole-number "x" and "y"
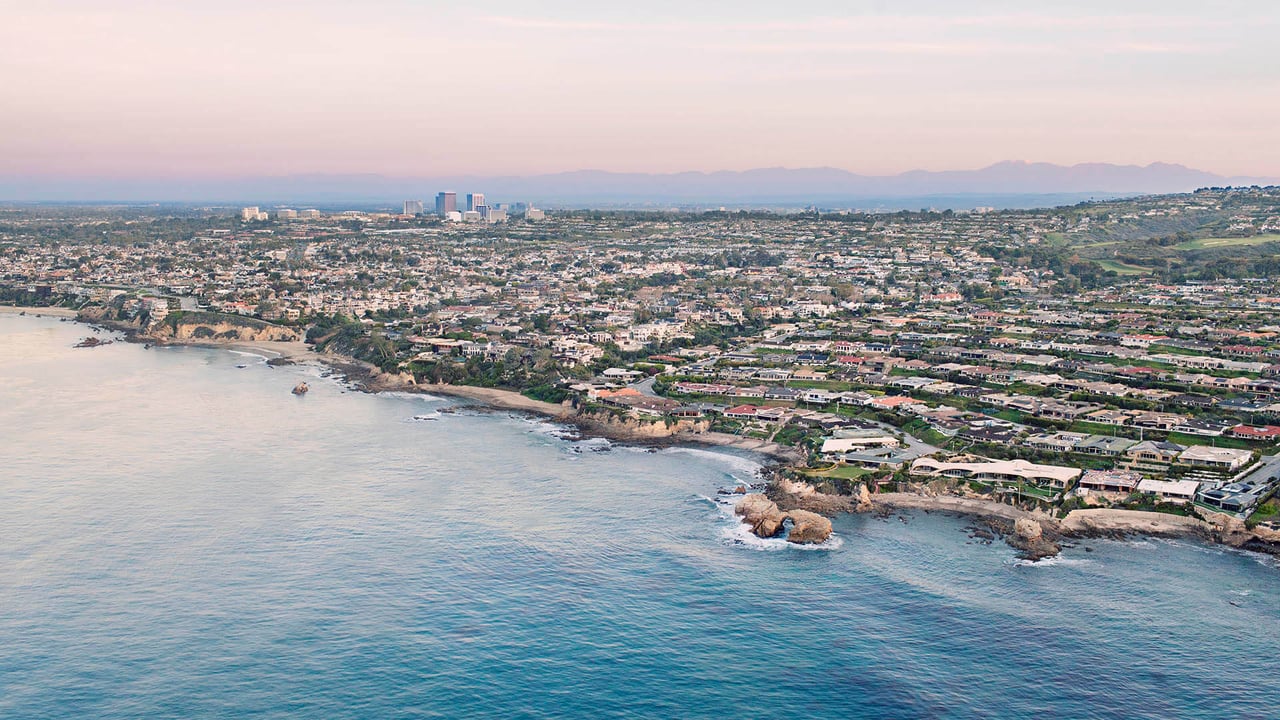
{"x": 184, "y": 538}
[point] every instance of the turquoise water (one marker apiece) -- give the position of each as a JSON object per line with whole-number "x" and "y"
{"x": 184, "y": 538}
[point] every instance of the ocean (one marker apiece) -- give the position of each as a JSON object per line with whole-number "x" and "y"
{"x": 184, "y": 538}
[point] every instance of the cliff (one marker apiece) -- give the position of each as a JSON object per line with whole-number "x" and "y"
{"x": 213, "y": 327}
{"x": 191, "y": 327}
{"x": 619, "y": 427}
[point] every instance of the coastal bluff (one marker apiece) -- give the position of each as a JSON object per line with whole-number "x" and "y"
{"x": 181, "y": 327}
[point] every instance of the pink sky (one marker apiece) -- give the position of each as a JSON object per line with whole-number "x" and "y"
{"x": 414, "y": 88}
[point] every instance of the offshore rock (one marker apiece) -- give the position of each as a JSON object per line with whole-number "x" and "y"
{"x": 1029, "y": 538}
{"x": 808, "y": 528}
{"x": 762, "y": 514}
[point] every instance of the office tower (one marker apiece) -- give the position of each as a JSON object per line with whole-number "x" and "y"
{"x": 412, "y": 207}
{"x": 446, "y": 202}
{"x": 249, "y": 213}
{"x": 474, "y": 200}
{"x": 483, "y": 210}
{"x": 286, "y": 214}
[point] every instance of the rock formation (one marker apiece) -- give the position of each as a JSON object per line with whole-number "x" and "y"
{"x": 762, "y": 514}
{"x": 765, "y": 520}
{"x": 301, "y": 389}
{"x": 1028, "y": 536}
{"x": 808, "y": 528}
{"x": 864, "y": 499}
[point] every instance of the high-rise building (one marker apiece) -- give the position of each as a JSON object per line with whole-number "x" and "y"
{"x": 446, "y": 202}
{"x": 249, "y": 214}
{"x": 475, "y": 200}
{"x": 286, "y": 214}
{"x": 412, "y": 207}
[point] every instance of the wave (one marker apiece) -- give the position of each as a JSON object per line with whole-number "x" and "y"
{"x": 740, "y": 467}
{"x": 1055, "y": 561}
{"x": 403, "y": 395}
{"x": 246, "y": 353}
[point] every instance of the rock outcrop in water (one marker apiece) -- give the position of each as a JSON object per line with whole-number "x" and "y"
{"x": 1029, "y": 538}
{"x": 766, "y": 520}
{"x": 301, "y": 389}
{"x": 808, "y": 528}
{"x": 761, "y": 513}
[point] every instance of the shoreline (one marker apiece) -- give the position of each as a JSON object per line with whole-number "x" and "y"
{"x": 51, "y": 311}
{"x": 1078, "y": 524}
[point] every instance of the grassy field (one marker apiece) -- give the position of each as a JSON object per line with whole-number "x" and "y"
{"x": 1123, "y": 268}
{"x": 848, "y": 472}
{"x": 1209, "y": 243}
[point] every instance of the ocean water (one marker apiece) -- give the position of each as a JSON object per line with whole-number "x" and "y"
{"x": 181, "y": 537}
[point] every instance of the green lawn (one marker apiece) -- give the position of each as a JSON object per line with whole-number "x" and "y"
{"x": 847, "y": 472}
{"x": 1208, "y": 243}
{"x": 1223, "y": 442}
{"x": 1123, "y": 268}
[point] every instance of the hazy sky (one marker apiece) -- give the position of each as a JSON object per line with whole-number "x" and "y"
{"x": 181, "y": 88}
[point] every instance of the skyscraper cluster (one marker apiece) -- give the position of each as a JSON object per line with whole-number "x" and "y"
{"x": 475, "y": 209}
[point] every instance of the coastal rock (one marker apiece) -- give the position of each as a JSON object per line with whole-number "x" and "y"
{"x": 1028, "y": 537}
{"x": 762, "y": 514}
{"x": 1027, "y": 529}
{"x": 301, "y": 389}
{"x": 864, "y": 499}
{"x": 808, "y": 528}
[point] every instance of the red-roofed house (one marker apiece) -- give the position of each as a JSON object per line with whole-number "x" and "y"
{"x": 1270, "y": 433}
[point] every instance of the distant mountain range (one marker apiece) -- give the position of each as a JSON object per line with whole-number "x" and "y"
{"x": 1005, "y": 184}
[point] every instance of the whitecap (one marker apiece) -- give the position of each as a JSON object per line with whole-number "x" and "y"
{"x": 1054, "y": 561}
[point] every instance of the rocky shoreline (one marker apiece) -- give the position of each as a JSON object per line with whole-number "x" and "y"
{"x": 1036, "y": 535}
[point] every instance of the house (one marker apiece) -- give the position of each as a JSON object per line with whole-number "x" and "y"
{"x": 742, "y": 412}
{"x": 893, "y": 402}
{"x": 1055, "y": 442}
{"x": 1104, "y": 445}
{"x": 1266, "y": 433}
{"x": 1224, "y": 459}
{"x": 1176, "y": 491}
{"x": 1110, "y": 481}
{"x": 1153, "y": 455}
{"x": 849, "y": 444}
{"x": 999, "y": 472}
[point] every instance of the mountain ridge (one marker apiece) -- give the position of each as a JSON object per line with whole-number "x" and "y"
{"x": 771, "y": 185}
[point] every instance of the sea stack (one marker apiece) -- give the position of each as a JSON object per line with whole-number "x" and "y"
{"x": 762, "y": 514}
{"x": 300, "y": 389}
{"x": 808, "y": 528}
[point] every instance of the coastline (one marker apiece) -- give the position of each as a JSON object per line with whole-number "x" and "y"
{"x": 51, "y": 311}
{"x": 1078, "y": 524}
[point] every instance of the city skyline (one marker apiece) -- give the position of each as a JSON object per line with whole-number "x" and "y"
{"x": 146, "y": 90}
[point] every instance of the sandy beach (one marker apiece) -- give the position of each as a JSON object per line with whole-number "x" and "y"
{"x": 38, "y": 311}
{"x": 498, "y": 398}
{"x": 763, "y": 447}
